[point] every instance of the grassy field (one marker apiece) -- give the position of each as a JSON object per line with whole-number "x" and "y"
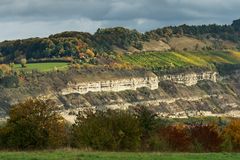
{"x": 79, "y": 155}
{"x": 153, "y": 60}
{"x": 43, "y": 67}
{"x": 173, "y": 59}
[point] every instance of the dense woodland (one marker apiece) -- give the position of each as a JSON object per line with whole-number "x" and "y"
{"x": 75, "y": 44}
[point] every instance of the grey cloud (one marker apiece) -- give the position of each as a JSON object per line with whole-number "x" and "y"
{"x": 37, "y": 17}
{"x": 116, "y": 9}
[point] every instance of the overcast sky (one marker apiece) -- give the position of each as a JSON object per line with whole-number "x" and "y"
{"x": 38, "y": 18}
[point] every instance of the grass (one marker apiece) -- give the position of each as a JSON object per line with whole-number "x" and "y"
{"x": 174, "y": 59}
{"x": 80, "y": 155}
{"x": 151, "y": 60}
{"x": 43, "y": 67}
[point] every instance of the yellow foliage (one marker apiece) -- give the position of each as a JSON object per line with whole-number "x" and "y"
{"x": 90, "y": 53}
{"x": 121, "y": 66}
{"x": 233, "y": 131}
{"x": 6, "y": 69}
{"x": 70, "y": 59}
{"x": 76, "y": 66}
{"x": 235, "y": 54}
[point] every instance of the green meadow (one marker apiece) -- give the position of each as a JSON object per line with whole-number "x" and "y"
{"x": 151, "y": 60}
{"x": 43, "y": 67}
{"x": 80, "y": 155}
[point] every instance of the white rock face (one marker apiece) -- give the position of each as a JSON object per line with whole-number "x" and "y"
{"x": 112, "y": 85}
{"x": 190, "y": 79}
{"x": 150, "y": 82}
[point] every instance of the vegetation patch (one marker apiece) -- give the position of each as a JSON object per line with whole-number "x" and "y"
{"x": 75, "y": 154}
{"x": 43, "y": 67}
{"x": 166, "y": 60}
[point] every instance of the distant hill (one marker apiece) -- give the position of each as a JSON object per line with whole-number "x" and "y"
{"x": 109, "y": 41}
{"x": 178, "y": 56}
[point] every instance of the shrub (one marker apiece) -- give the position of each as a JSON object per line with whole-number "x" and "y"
{"x": 110, "y": 130}
{"x": 5, "y": 69}
{"x": 23, "y": 62}
{"x": 9, "y": 81}
{"x": 90, "y": 53}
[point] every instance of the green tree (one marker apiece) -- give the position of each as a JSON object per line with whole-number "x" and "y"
{"x": 167, "y": 32}
{"x": 148, "y": 123}
{"x": 146, "y": 117}
{"x": 236, "y": 24}
{"x": 110, "y": 130}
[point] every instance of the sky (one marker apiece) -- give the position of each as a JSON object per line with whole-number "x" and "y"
{"x": 40, "y": 18}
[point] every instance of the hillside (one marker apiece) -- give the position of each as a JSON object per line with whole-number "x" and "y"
{"x": 178, "y": 71}
{"x": 176, "y": 95}
{"x": 110, "y": 41}
{"x": 169, "y": 61}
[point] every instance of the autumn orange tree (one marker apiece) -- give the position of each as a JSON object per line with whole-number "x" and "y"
{"x": 176, "y": 138}
{"x": 34, "y": 124}
{"x": 90, "y": 53}
{"x": 206, "y": 137}
{"x": 231, "y": 135}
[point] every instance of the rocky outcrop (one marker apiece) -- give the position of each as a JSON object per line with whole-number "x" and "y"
{"x": 169, "y": 100}
{"x": 172, "y": 95}
{"x": 133, "y": 83}
{"x": 150, "y": 82}
{"x": 190, "y": 79}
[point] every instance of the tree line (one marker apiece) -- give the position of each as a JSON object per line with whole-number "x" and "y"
{"x": 224, "y": 32}
{"x": 69, "y": 44}
{"x": 103, "y": 42}
{"x": 38, "y": 124}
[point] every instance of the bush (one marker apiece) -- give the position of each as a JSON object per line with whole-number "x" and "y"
{"x": 110, "y": 130}
{"x": 9, "y": 81}
{"x": 23, "y": 62}
{"x": 5, "y": 70}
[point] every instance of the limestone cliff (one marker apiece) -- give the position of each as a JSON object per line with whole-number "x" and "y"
{"x": 133, "y": 83}
{"x": 190, "y": 79}
{"x": 112, "y": 85}
{"x": 171, "y": 95}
